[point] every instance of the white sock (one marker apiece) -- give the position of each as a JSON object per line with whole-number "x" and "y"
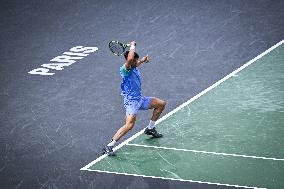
{"x": 151, "y": 125}
{"x": 112, "y": 143}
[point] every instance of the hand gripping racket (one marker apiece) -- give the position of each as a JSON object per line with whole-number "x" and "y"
{"x": 117, "y": 48}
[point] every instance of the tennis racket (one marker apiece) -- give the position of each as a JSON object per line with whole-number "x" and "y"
{"x": 117, "y": 48}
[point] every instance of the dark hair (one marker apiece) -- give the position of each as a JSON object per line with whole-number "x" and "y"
{"x": 136, "y": 56}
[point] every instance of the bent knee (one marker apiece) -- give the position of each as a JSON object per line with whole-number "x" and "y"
{"x": 158, "y": 104}
{"x": 163, "y": 104}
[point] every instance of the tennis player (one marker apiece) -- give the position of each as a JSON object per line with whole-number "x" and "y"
{"x": 133, "y": 99}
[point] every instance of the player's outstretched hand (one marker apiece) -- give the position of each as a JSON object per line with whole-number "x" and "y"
{"x": 145, "y": 59}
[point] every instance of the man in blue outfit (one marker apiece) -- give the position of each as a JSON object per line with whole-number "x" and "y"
{"x": 133, "y": 99}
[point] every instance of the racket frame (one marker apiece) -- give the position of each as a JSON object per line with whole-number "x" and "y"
{"x": 124, "y": 46}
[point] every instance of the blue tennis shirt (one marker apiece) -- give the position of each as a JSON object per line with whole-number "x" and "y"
{"x": 131, "y": 83}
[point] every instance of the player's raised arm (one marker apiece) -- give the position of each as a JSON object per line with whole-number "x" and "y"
{"x": 130, "y": 57}
{"x": 145, "y": 59}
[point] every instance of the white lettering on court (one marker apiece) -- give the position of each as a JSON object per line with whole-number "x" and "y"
{"x": 64, "y": 60}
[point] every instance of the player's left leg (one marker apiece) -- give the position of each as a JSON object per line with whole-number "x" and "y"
{"x": 158, "y": 105}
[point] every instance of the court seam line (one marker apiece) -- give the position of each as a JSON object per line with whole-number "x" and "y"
{"x": 188, "y": 102}
{"x": 205, "y": 152}
{"x": 174, "y": 179}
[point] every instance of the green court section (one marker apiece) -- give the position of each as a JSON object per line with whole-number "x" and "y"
{"x": 195, "y": 166}
{"x": 244, "y": 115}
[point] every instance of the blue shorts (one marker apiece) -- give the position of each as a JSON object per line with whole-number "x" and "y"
{"x": 132, "y": 106}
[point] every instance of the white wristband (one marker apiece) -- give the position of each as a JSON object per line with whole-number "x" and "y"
{"x": 132, "y": 47}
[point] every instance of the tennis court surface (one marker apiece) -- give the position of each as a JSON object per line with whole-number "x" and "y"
{"x": 231, "y": 134}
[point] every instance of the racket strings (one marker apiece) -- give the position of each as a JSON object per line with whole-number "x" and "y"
{"x": 116, "y": 48}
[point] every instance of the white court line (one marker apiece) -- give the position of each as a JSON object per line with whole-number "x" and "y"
{"x": 174, "y": 179}
{"x": 205, "y": 152}
{"x": 189, "y": 101}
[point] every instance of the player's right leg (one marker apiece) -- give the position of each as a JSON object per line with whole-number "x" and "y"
{"x": 129, "y": 124}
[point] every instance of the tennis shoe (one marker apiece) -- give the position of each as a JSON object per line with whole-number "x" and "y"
{"x": 108, "y": 150}
{"x": 152, "y": 132}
